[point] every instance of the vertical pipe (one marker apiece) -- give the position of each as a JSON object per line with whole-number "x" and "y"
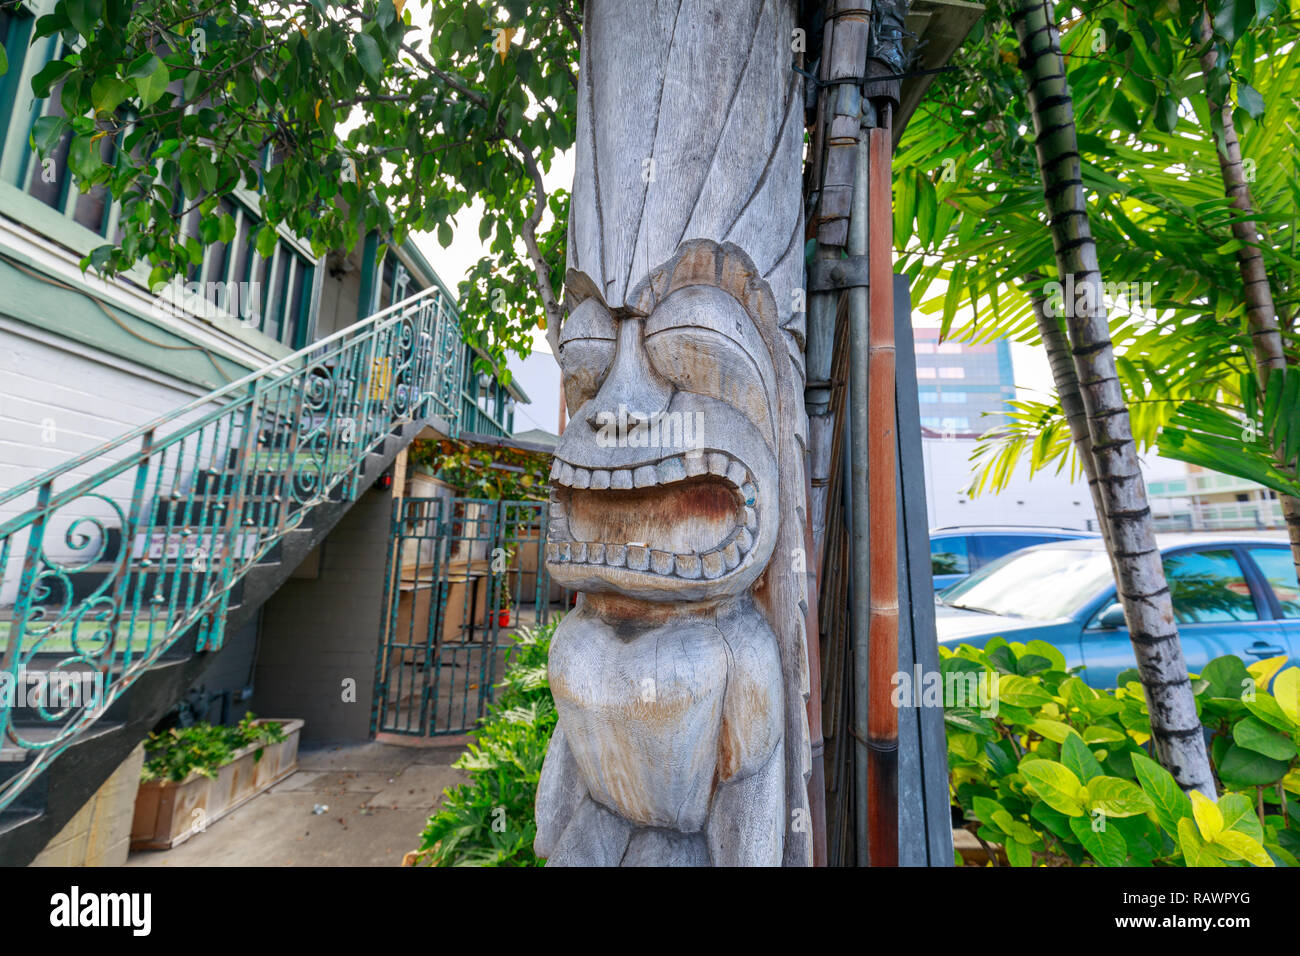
{"x": 882, "y": 720}
{"x": 859, "y": 591}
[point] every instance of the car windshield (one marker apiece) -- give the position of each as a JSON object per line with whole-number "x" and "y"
{"x": 1045, "y": 583}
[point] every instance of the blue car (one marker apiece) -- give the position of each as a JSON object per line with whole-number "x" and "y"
{"x": 1231, "y": 595}
{"x": 956, "y": 552}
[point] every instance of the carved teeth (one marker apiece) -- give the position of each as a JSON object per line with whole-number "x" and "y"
{"x": 670, "y": 470}
{"x": 712, "y": 564}
{"x": 639, "y": 555}
{"x": 731, "y": 555}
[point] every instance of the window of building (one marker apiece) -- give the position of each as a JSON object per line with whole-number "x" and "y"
{"x": 954, "y": 398}
{"x": 928, "y": 395}
{"x": 952, "y": 371}
{"x": 924, "y": 348}
{"x": 923, "y": 372}
{"x": 949, "y": 348}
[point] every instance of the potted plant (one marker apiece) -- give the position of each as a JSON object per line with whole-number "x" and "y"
{"x": 193, "y": 776}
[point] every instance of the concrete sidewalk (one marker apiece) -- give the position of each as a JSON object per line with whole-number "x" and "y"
{"x": 379, "y": 796}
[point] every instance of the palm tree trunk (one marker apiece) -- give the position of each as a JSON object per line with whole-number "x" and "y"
{"x": 1143, "y": 591}
{"x": 1261, "y": 314}
{"x": 1051, "y": 331}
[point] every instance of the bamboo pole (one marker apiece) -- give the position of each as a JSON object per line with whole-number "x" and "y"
{"x": 882, "y": 455}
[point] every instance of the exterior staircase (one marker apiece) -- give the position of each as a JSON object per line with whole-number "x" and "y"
{"x": 123, "y": 569}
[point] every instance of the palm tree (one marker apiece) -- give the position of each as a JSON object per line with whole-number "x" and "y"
{"x": 1142, "y": 589}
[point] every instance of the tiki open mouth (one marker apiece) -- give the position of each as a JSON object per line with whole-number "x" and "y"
{"x": 687, "y": 516}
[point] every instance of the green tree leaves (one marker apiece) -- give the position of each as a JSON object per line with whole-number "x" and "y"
{"x": 343, "y": 117}
{"x": 1062, "y": 775}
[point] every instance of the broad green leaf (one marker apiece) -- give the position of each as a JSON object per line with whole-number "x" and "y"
{"x": 1266, "y": 708}
{"x": 1100, "y": 734}
{"x": 1253, "y": 734}
{"x": 107, "y": 92}
{"x": 1078, "y": 759}
{"x": 1055, "y": 785}
{"x": 368, "y": 55}
{"x": 1264, "y": 671}
{"x": 1243, "y": 847}
{"x": 1286, "y": 691}
{"x": 1239, "y": 814}
{"x": 1196, "y": 851}
{"x": 1118, "y": 798}
{"x": 1246, "y": 768}
{"x": 1043, "y": 649}
{"x": 1105, "y": 843}
{"x": 1168, "y": 800}
{"x": 48, "y": 75}
{"x": 152, "y": 83}
{"x": 1052, "y": 730}
{"x": 1019, "y": 854}
{"x": 1209, "y": 820}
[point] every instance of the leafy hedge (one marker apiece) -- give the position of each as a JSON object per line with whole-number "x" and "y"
{"x": 203, "y": 748}
{"x": 1058, "y": 773}
{"x": 489, "y": 820}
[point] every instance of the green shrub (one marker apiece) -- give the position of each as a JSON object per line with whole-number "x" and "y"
{"x": 203, "y": 748}
{"x": 489, "y": 820}
{"x": 1058, "y": 773}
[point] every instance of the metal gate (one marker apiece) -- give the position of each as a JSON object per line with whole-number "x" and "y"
{"x": 462, "y": 575}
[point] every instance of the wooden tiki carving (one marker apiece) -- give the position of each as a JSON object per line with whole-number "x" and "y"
{"x": 681, "y": 676}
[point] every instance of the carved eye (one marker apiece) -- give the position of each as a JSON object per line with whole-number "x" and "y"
{"x": 587, "y": 343}
{"x": 702, "y": 340}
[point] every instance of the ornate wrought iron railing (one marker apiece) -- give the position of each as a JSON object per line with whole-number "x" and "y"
{"x": 109, "y": 559}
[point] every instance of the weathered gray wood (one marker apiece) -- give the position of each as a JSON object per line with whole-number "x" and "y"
{"x": 925, "y": 823}
{"x": 681, "y": 678}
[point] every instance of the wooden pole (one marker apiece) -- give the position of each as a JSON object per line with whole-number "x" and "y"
{"x": 882, "y": 663}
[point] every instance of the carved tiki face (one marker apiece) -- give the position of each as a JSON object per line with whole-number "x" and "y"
{"x": 666, "y": 479}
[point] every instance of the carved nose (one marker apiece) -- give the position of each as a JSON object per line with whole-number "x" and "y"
{"x": 632, "y": 383}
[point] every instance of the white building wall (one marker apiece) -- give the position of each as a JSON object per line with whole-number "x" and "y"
{"x": 1046, "y": 499}
{"x": 57, "y": 400}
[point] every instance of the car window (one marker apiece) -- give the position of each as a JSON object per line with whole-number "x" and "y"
{"x": 993, "y": 546}
{"x": 949, "y": 556}
{"x": 1279, "y": 571}
{"x": 1045, "y": 584}
{"x": 1208, "y": 587}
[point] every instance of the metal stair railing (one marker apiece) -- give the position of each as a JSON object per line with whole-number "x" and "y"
{"x": 127, "y": 547}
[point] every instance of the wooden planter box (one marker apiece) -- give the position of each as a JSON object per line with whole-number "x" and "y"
{"x": 168, "y": 813}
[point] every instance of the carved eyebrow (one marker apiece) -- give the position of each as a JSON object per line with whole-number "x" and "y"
{"x": 753, "y": 364}
{"x": 586, "y": 326}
